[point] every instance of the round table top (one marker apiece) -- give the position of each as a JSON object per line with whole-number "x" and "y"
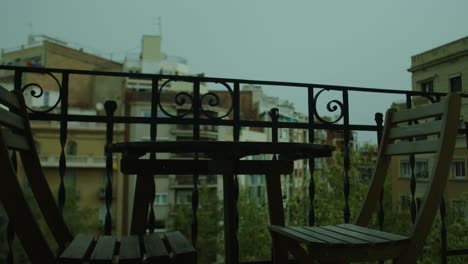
{"x": 218, "y": 149}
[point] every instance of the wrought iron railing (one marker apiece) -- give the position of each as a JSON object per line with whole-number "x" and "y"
{"x": 196, "y": 114}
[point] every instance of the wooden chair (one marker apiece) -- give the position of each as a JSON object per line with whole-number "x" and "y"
{"x": 355, "y": 242}
{"x": 15, "y": 134}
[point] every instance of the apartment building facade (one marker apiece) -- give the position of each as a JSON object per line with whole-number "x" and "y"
{"x": 442, "y": 69}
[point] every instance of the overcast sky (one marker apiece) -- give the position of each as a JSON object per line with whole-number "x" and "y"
{"x": 364, "y": 43}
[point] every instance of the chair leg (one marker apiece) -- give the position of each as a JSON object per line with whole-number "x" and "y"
{"x": 280, "y": 252}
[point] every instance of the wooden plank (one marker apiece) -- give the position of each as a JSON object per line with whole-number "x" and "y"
{"x": 373, "y": 232}
{"x": 416, "y": 147}
{"x": 182, "y": 249}
{"x": 419, "y": 112}
{"x": 293, "y": 234}
{"x": 130, "y": 250}
{"x": 319, "y": 236}
{"x": 78, "y": 250}
{"x": 11, "y": 120}
{"x": 358, "y": 235}
{"x": 104, "y": 250}
{"x": 15, "y": 141}
{"x": 155, "y": 250}
{"x": 9, "y": 99}
{"x": 342, "y": 237}
{"x": 173, "y": 166}
{"x": 424, "y": 129}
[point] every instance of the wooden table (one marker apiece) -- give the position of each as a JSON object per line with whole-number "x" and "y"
{"x": 219, "y": 157}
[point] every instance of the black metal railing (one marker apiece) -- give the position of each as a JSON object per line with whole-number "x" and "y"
{"x": 196, "y": 114}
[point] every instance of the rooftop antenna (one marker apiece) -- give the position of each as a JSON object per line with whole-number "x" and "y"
{"x": 158, "y": 21}
{"x": 30, "y": 25}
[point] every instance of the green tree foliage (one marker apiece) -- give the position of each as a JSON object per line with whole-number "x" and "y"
{"x": 209, "y": 244}
{"x": 253, "y": 235}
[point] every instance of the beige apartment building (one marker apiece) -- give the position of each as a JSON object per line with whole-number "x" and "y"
{"x": 84, "y": 148}
{"x": 442, "y": 69}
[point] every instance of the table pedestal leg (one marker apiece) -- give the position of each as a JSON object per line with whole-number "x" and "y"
{"x": 230, "y": 245}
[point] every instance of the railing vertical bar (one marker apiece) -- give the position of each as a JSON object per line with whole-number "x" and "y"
{"x": 412, "y": 161}
{"x": 153, "y": 134}
{"x": 346, "y": 159}
{"x": 380, "y": 214}
{"x": 443, "y": 232}
{"x": 236, "y": 138}
{"x": 63, "y": 140}
{"x": 443, "y": 214}
{"x": 311, "y": 131}
{"x": 196, "y": 136}
{"x": 110, "y": 107}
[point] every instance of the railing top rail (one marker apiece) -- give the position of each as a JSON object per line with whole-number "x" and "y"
{"x": 217, "y": 80}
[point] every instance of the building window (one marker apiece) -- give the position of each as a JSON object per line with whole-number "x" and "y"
{"x": 458, "y": 168}
{"x": 160, "y": 199}
{"x": 420, "y": 169}
{"x": 72, "y": 148}
{"x": 184, "y": 197}
{"x": 455, "y": 83}
{"x": 256, "y": 185}
{"x": 427, "y": 86}
{"x": 405, "y": 170}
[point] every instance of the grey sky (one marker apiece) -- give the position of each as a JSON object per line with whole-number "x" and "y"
{"x": 357, "y": 43}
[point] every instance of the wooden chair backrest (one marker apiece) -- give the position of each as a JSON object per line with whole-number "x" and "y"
{"x": 436, "y": 124}
{"x": 16, "y": 135}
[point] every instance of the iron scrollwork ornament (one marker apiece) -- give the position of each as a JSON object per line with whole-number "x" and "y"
{"x": 37, "y": 91}
{"x": 186, "y": 99}
{"x": 332, "y": 106}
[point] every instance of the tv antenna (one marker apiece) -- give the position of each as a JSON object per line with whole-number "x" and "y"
{"x": 158, "y": 25}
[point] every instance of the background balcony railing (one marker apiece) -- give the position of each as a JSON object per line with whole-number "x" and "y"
{"x": 74, "y": 161}
{"x": 198, "y": 105}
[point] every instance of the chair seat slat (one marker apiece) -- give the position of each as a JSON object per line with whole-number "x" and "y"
{"x": 373, "y": 232}
{"x": 294, "y": 234}
{"x": 322, "y": 238}
{"x": 130, "y": 250}
{"x": 104, "y": 250}
{"x": 358, "y": 235}
{"x": 343, "y": 237}
{"x": 78, "y": 250}
{"x": 182, "y": 249}
{"x": 155, "y": 250}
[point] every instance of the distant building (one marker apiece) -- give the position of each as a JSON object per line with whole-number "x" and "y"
{"x": 84, "y": 148}
{"x": 442, "y": 69}
{"x": 43, "y": 51}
